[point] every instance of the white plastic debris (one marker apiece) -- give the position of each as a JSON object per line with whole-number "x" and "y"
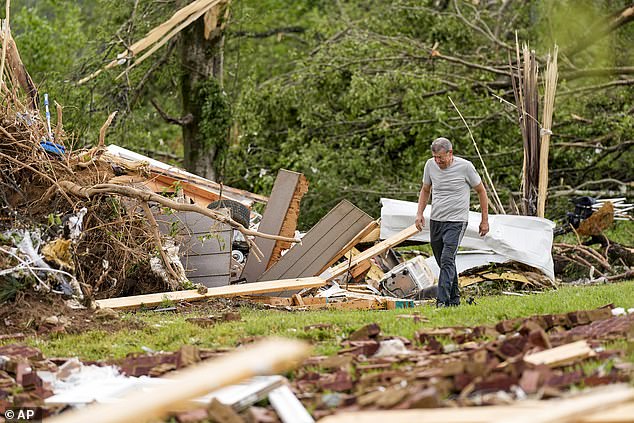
{"x": 391, "y": 347}
{"x": 618, "y": 311}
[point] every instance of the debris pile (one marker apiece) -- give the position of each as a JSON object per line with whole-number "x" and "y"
{"x": 539, "y": 357}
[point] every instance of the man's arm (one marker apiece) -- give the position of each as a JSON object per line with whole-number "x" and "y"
{"x": 484, "y": 208}
{"x": 423, "y": 198}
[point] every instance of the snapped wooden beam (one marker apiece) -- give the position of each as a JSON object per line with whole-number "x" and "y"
{"x": 379, "y": 248}
{"x": 136, "y": 301}
{"x": 280, "y": 217}
{"x": 270, "y": 356}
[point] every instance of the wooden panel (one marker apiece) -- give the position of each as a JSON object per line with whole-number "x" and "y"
{"x": 272, "y": 220}
{"x": 207, "y": 265}
{"x": 321, "y": 243}
{"x": 327, "y": 246}
{"x": 132, "y": 302}
{"x": 350, "y": 245}
{"x": 205, "y": 246}
{"x": 211, "y": 281}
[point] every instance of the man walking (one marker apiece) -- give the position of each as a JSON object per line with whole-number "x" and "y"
{"x": 449, "y": 179}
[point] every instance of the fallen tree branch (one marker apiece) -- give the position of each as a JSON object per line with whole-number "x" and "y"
{"x": 157, "y": 237}
{"x": 146, "y": 196}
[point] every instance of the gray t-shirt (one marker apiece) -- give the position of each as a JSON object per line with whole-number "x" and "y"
{"x": 450, "y": 189}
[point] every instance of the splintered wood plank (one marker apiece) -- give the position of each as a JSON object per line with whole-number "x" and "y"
{"x": 322, "y": 242}
{"x": 270, "y": 356}
{"x": 607, "y": 406}
{"x": 289, "y": 224}
{"x": 377, "y": 249}
{"x": 150, "y": 300}
{"x": 279, "y": 218}
{"x": 558, "y": 356}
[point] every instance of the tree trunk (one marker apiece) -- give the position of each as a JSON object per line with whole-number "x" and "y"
{"x": 201, "y": 59}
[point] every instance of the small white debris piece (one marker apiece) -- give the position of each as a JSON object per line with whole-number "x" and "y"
{"x": 391, "y": 347}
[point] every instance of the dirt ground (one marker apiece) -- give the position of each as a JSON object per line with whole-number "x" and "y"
{"x": 43, "y": 314}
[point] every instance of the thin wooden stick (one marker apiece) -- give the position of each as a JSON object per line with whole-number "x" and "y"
{"x": 5, "y": 41}
{"x": 104, "y": 128}
{"x": 486, "y": 171}
{"x": 549, "y": 101}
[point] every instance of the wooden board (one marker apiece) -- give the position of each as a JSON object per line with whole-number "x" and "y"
{"x": 320, "y": 244}
{"x": 350, "y": 245}
{"x": 273, "y": 221}
{"x": 373, "y": 251}
{"x": 136, "y": 301}
{"x": 269, "y": 356}
{"x": 612, "y": 406}
{"x": 562, "y": 355}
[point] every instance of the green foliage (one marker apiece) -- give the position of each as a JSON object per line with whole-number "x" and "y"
{"x": 9, "y": 287}
{"x": 215, "y": 116}
{"x": 349, "y": 93}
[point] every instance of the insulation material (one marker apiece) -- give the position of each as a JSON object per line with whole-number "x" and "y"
{"x": 524, "y": 239}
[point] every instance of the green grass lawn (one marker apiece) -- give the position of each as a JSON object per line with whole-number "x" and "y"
{"x": 168, "y": 332}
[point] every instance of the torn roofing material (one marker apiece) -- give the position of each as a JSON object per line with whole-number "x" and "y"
{"x": 525, "y": 239}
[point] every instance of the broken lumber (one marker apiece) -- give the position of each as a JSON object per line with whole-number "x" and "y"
{"x": 279, "y": 217}
{"x": 322, "y": 242}
{"x": 136, "y": 301}
{"x": 270, "y": 356}
{"x": 610, "y": 405}
{"x": 349, "y": 246}
{"x": 562, "y": 355}
{"x": 379, "y": 248}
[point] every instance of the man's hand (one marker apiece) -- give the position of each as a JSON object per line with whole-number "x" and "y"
{"x": 484, "y": 228}
{"x": 420, "y": 222}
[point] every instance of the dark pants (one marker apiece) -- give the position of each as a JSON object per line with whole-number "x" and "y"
{"x": 445, "y": 239}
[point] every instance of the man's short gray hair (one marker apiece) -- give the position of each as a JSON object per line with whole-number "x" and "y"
{"x": 441, "y": 144}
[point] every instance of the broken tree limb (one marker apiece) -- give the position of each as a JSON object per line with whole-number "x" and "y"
{"x": 131, "y": 192}
{"x": 157, "y": 238}
{"x": 104, "y": 128}
{"x": 267, "y": 357}
{"x": 222, "y": 291}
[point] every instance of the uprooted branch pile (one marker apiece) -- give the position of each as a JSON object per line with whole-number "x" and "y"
{"x": 67, "y": 222}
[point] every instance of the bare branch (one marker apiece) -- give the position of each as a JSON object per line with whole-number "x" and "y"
{"x": 185, "y": 120}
